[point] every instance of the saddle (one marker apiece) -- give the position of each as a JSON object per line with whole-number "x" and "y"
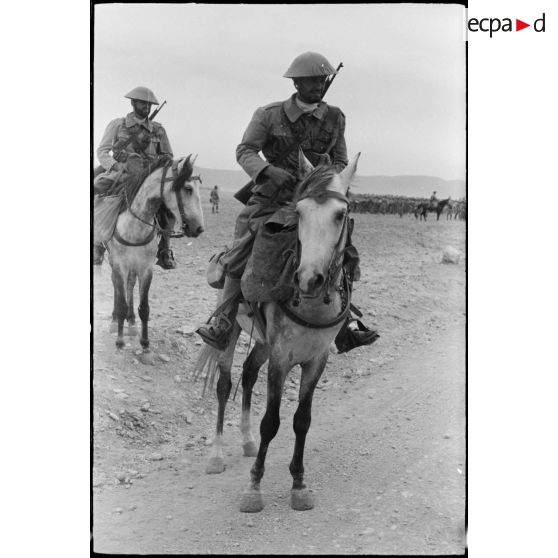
{"x": 112, "y": 202}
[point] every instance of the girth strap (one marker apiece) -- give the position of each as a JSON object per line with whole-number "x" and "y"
{"x": 125, "y": 242}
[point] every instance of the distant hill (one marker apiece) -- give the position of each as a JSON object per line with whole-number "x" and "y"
{"x": 403, "y": 185}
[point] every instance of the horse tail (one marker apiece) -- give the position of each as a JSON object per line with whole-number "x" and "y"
{"x": 208, "y": 360}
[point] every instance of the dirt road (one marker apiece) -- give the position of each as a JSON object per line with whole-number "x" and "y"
{"x": 385, "y": 453}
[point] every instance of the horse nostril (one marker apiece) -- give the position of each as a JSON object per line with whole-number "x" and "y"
{"x": 316, "y": 282}
{"x": 199, "y": 230}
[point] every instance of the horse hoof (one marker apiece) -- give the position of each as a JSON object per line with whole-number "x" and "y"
{"x": 215, "y": 466}
{"x": 250, "y": 449}
{"x": 132, "y": 330}
{"x": 301, "y": 500}
{"x": 113, "y": 327}
{"x": 119, "y": 343}
{"x": 251, "y": 501}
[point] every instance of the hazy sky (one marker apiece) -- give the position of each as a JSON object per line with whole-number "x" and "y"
{"x": 402, "y": 87}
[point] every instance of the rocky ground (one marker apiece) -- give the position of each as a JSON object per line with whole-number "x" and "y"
{"x": 386, "y": 450}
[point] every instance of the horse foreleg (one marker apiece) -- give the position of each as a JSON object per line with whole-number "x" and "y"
{"x": 120, "y": 306}
{"x": 301, "y": 498}
{"x": 114, "y": 323}
{"x": 143, "y": 308}
{"x": 258, "y": 355}
{"x": 252, "y": 500}
{"x": 216, "y": 462}
{"x": 131, "y": 316}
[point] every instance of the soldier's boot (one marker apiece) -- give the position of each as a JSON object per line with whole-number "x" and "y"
{"x": 218, "y": 331}
{"x": 165, "y": 257}
{"x": 354, "y": 334}
{"x": 98, "y": 254}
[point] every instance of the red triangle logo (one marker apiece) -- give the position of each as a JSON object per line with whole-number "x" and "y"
{"x": 519, "y": 25}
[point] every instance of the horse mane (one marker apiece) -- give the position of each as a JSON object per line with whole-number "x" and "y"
{"x": 315, "y": 184}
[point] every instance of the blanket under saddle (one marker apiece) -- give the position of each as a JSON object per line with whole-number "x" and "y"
{"x": 107, "y": 207}
{"x": 270, "y": 268}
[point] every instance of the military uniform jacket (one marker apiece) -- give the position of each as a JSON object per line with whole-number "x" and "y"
{"x": 277, "y": 125}
{"x": 151, "y": 141}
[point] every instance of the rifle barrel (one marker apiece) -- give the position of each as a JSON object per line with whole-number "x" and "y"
{"x": 156, "y": 111}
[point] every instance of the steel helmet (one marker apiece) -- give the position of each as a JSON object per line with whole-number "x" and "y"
{"x": 142, "y": 94}
{"x": 309, "y": 64}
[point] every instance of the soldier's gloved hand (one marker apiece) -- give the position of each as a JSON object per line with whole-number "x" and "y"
{"x": 279, "y": 177}
{"x": 164, "y": 159}
{"x": 323, "y": 159}
{"x": 121, "y": 157}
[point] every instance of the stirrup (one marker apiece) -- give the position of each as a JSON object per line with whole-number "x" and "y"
{"x": 217, "y": 335}
{"x": 165, "y": 259}
{"x": 348, "y": 338}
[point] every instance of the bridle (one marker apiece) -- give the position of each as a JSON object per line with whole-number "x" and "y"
{"x": 179, "y": 202}
{"x": 333, "y": 271}
{"x": 155, "y": 227}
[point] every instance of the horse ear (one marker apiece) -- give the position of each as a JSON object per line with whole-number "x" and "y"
{"x": 304, "y": 165}
{"x": 194, "y": 159}
{"x": 186, "y": 166}
{"x": 347, "y": 173}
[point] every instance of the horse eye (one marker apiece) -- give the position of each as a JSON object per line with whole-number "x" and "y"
{"x": 340, "y": 216}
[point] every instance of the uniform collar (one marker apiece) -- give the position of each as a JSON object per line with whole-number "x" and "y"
{"x": 294, "y": 112}
{"x": 131, "y": 121}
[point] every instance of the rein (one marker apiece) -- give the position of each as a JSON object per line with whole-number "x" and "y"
{"x": 335, "y": 263}
{"x": 301, "y": 320}
{"x": 156, "y": 228}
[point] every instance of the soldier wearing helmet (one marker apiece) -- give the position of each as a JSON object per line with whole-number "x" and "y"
{"x": 274, "y": 128}
{"x": 130, "y": 143}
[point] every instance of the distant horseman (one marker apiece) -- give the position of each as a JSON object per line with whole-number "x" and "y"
{"x": 433, "y": 200}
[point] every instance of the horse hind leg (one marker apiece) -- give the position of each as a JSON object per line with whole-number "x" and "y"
{"x": 216, "y": 463}
{"x": 258, "y": 355}
{"x": 131, "y": 316}
{"x": 301, "y": 497}
{"x": 143, "y": 308}
{"x": 120, "y": 306}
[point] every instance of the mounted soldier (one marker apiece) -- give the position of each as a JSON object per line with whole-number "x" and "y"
{"x": 433, "y": 200}
{"x": 279, "y": 130}
{"x": 133, "y": 146}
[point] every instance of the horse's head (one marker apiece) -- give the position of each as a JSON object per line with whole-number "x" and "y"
{"x": 322, "y": 207}
{"x": 182, "y": 197}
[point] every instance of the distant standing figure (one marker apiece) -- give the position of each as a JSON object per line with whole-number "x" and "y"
{"x": 214, "y": 199}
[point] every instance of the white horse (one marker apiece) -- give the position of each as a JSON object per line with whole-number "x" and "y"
{"x": 133, "y": 247}
{"x": 298, "y": 332}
